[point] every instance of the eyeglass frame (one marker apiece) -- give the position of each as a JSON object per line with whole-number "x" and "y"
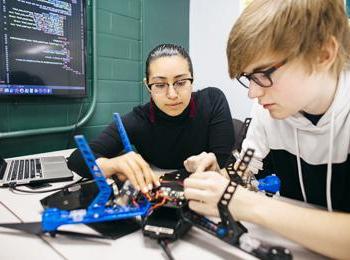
{"x": 267, "y": 73}
{"x": 169, "y": 84}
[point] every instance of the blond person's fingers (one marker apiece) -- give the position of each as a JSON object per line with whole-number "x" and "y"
{"x": 191, "y": 182}
{"x": 204, "y": 209}
{"x": 197, "y": 183}
{"x": 202, "y": 181}
{"x": 207, "y": 163}
{"x": 196, "y": 194}
{"x": 203, "y": 175}
{"x": 204, "y": 166}
{"x": 202, "y": 162}
{"x": 191, "y": 163}
{"x": 206, "y": 186}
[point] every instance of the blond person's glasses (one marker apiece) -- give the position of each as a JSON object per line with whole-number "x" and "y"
{"x": 260, "y": 77}
{"x": 163, "y": 87}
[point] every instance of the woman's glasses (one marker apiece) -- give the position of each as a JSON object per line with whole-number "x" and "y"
{"x": 163, "y": 87}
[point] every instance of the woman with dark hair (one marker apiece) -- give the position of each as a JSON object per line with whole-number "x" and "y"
{"x": 176, "y": 124}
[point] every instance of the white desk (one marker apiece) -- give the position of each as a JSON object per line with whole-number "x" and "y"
{"x": 195, "y": 245}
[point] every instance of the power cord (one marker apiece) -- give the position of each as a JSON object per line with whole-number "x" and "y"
{"x": 13, "y": 187}
{"x": 75, "y": 126}
{"x": 164, "y": 245}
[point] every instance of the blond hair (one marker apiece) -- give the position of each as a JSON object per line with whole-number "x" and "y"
{"x": 289, "y": 28}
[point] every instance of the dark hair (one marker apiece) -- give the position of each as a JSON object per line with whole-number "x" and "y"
{"x": 167, "y": 50}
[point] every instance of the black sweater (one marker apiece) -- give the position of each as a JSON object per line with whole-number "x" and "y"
{"x": 169, "y": 141}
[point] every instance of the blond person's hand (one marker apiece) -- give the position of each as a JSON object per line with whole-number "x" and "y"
{"x": 130, "y": 166}
{"x": 203, "y": 190}
{"x": 202, "y": 162}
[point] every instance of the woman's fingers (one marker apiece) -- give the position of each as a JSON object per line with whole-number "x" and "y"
{"x": 155, "y": 179}
{"x": 129, "y": 173}
{"x": 137, "y": 173}
{"x": 137, "y": 170}
{"x": 150, "y": 176}
{"x": 122, "y": 177}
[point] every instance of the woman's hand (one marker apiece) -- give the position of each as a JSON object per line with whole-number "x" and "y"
{"x": 204, "y": 190}
{"x": 130, "y": 166}
{"x": 202, "y": 162}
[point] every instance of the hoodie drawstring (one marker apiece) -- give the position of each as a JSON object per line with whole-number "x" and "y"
{"x": 300, "y": 173}
{"x": 329, "y": 165}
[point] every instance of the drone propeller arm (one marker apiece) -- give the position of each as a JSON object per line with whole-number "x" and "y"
{"x": 52, "y": 218}
{"x": 104, "y": 190}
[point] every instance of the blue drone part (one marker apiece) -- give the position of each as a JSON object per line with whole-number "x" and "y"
{"x": 97, "y": 211}
{"x": 122, "y": 132}
{"x": 270, "y": 184}
{"x": 104, "y": 190}
{"x": 52, "y": 218}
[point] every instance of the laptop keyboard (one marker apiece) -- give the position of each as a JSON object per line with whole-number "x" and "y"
{"x": 24, "y": 169}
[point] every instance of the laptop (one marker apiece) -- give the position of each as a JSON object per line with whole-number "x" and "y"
{"x": 34, "y": 170}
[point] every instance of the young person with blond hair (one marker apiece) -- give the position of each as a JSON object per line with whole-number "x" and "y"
{"x": 293, "y": 56}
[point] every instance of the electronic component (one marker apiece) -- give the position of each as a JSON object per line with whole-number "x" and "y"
{"x": 165, "y": 218}
{"x": 166, "y": 222}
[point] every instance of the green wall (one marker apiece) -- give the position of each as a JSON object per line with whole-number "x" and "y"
{"x": 165, "y": 21}
{"x": 126, "y": 31}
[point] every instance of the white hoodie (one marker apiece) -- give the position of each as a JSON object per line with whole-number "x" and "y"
{"x": 325, "y": 143}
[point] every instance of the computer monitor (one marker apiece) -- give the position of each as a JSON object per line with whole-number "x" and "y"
{"x": 43, "y": 47}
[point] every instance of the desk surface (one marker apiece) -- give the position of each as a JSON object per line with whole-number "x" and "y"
{"x": 16, "y": 207}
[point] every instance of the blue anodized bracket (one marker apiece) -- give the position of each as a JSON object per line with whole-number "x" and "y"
{"x": 270, "y": 184}
{"x": 122, "y": 132}
{"x": 90, "y": 160}
{"x": 97, "y": 211}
